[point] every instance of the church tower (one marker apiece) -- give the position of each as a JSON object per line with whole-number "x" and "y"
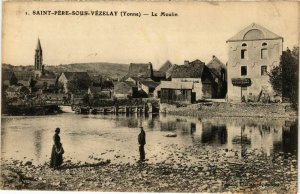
{"x": 38, "y": 59}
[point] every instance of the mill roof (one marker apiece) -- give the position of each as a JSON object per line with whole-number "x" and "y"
{"x": 254, "y": 32}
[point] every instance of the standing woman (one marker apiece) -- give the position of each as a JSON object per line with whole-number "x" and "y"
{"x": 57, "y": 151}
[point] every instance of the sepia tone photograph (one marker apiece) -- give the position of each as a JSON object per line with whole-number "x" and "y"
{"x": 139, "y": 96}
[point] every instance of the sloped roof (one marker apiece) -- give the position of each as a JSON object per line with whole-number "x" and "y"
{"x": 192, "y": 70}
{"x": 215, "y": 65}
{"x": 77, "y": 75}
{"x": 159, "y": 74}
{"x": 254, "y": 32}
{"x": 24, "y": 75}
{"x": 176, "y": 85}
{"x": 94, "y": 89}
{"x": 150, "y": 84}
{"x": 139, "y": 79}
{"x": 140, "y": 70}
{"x": 167, "y": 65}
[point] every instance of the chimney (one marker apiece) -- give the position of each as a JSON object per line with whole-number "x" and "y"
{"x": 186, "y": 62}
{"x": 213, "y": 56}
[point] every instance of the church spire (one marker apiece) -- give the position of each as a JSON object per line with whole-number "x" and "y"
{"x": 38, "y": 46}
{"x": 38, "y": 58}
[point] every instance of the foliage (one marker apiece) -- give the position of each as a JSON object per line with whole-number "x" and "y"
{"x": 284, "y": 78}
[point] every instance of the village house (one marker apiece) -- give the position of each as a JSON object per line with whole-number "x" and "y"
{"x": 74, "y": 82}
{"x": 124, "y": 89}
{"x": 97, "y": 92}
{"x": 218, "y": 71}
{"x": 176, "y": 92}
{"x": 253, "y": 52}
{"x": 144, "y": 86}
{"x": 197, "y": 73}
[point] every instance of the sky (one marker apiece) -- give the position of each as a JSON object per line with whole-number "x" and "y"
{"x": 198, "y": 32}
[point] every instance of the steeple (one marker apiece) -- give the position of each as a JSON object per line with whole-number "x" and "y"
{"x": 38, "y": 59}
{"x": 38, "y": 46}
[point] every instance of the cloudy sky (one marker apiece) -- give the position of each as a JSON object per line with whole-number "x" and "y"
{"x": 199, "y": 31}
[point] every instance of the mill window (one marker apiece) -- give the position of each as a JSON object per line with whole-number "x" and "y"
{"x": 264, "y": 53}
{"x": 264, "y": 70}
{"x": 244, "y": 70}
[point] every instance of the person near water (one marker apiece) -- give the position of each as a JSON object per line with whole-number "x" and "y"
{"x": 142, "y": 142}
{"x": 57, "y": 151}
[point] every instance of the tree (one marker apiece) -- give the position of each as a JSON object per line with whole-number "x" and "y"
{"x": 284, "y": 77}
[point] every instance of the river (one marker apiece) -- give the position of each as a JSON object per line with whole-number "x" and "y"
{"x": 87, "y": 138}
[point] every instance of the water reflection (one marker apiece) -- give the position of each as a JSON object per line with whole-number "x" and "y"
{"x": 213, "y": 134}
{"x": 85, "y": 135}
{"x": 38, "y": 143}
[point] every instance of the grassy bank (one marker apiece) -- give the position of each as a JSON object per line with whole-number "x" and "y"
{"x": 222, "y": 109}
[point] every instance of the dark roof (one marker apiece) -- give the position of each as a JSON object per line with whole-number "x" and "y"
{"x": 150, "y": 84}
{"x": 167, "y": 65}
{"x": 192, "y": 70}
{"x": 48, "y": 75}
{"x": 216, "y": 66}
{"x": 94, "y": 89}
{"x": 24, "y": 75}
{"x": 159, "y": 74}
{"x": 48, "y": 80}
{"x": 77, "y": 75}
{"x": 254, "y": 32}
{"x": 140, "y": 70}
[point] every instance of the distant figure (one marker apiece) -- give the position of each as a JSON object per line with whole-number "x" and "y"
{"x": 142, "y": 142}
{"x": 57, "y": 151}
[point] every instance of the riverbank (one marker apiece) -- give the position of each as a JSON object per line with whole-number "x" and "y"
{"x": 221, "y": 170}
{"x": 223, "y": 109}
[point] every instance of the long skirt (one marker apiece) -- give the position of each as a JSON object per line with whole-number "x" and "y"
{"x": 56, "y": 159}
{"x": 142, "y": 152}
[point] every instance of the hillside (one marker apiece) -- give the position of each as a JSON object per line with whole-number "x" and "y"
{"x": 112, "y": 70}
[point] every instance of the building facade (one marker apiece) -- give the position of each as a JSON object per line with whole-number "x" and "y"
{"x": 252, "y": 53}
